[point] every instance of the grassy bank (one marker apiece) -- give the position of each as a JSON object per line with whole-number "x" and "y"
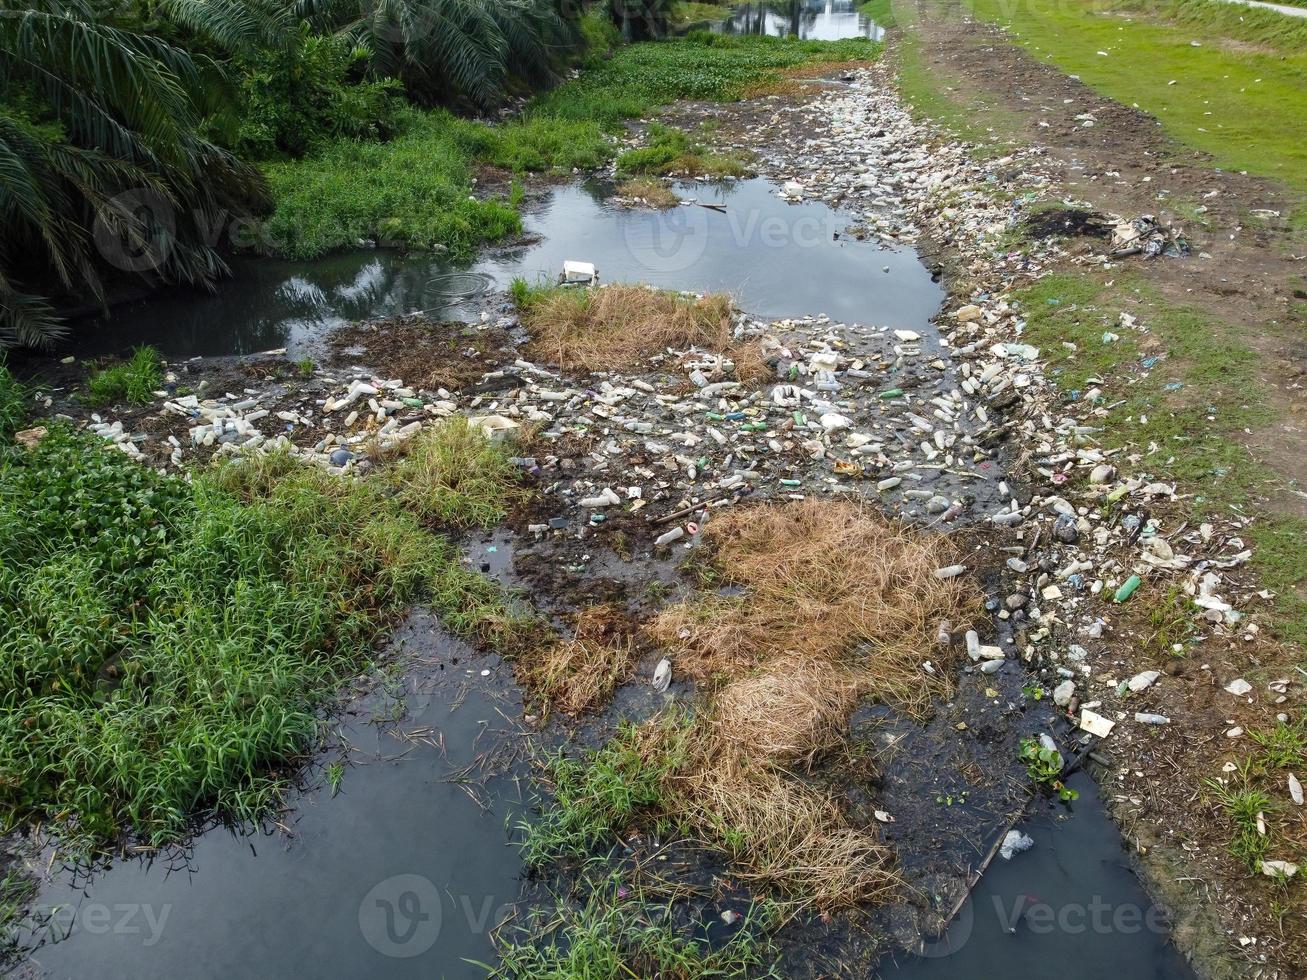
{"x": 166, "y": 646}
{"x": 1238, "y": 93}
{"x": 418, "y": 188}
{"x": 1181, "y": 395}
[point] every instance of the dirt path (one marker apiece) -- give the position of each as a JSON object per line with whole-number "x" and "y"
{"x": 1249, "y": 269}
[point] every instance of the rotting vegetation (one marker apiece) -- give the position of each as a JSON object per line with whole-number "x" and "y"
{"x": 648, "y": 191}
{"x": 580, "y": 673}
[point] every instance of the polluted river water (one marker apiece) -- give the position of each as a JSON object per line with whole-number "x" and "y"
{"x": 776, "y": 259}
{"x": 406, "y": 868}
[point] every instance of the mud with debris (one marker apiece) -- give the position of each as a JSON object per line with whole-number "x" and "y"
{"x": 634, "y": 468}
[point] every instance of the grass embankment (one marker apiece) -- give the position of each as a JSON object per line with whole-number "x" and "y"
{"x": 1239, "y": 94}
{"x": 835, "y": 605}
{"x": 1182, "y": 396}
{"x": 416, "y": 189}
{"x": 166, "y": 646}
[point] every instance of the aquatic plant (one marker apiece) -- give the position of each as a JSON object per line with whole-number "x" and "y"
{"x": 619, "y": 931}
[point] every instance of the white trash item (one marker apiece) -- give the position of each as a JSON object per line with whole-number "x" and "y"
{"x": 1014, "y": 843}
{"x": 579, "y": 273}
{"x": 662, "y": 678}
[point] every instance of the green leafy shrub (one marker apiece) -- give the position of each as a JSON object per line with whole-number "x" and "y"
{"x": 312, "y": 90}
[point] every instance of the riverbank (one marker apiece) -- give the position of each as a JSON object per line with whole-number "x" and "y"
{"x": 973, "y": 425}
{"x": 1210, "y": 400}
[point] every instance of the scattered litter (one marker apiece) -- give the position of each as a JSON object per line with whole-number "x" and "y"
{"x": 1015, "y": 843}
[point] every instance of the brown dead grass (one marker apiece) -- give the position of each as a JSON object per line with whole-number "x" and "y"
{"x": 622, "y": 326}
{"x": 789, "y": 713}
{"x": 779, "y": 833}
{"x": 649, "y": 191}
{"x": 577, "y": 674}
{"x": 822, "y": 580}
{"x": 839, "y": 604}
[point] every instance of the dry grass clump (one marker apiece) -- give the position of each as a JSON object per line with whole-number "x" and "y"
{"x": 823, "y": 578}
{"x": 652, "y": 192}
{"x": 622, "y": 326}
{"x": 577, "y": 674}
{"x": 780, "y": 834}
{"x": 790, "y": 713}
{"x": 839, "y": 603}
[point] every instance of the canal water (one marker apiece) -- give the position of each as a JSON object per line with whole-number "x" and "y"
{"x": 777, "y": 258}
{"x": 407, "y": 868}
{"x": 810, "y": 20}
{"x": 402, "y": 873}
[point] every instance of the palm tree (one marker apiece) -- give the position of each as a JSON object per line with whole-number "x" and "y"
{"x": 101, "y": 164}
{"x": 452, "y": 51}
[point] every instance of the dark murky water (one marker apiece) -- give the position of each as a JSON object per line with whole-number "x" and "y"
{"x": 778, "y": 259}
{"x": 1068, "y": 907}
{"x": 401, "y": 874}
{"x": 817, "y": 20}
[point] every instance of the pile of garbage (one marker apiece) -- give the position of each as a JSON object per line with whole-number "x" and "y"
{"x": 1092, "y": 528}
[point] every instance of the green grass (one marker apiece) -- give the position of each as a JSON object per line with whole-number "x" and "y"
{"x": 411, "y": 191}
{"x": 13, "y": 403}
{"x": 881, "y": 11}
{"x": 712, "y": 67}
{"x": 1241, "y": 95}
{"x": 134, "y": 381}
{"x": 671, "y": 151}
{"x": 1242, "y": 802}
{"x": 17, "y": 892}
{"x": 1280, "y": 560}
{"x": 617, "y": 933}
{"x": 452, "y": 476}
{"x": 167, "y": 646}
{"x": 1284, "y": 747}
{"x": 960, "y": 109}
{"x": 596, "y": 795}
{"x": 1184, "y": 412}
